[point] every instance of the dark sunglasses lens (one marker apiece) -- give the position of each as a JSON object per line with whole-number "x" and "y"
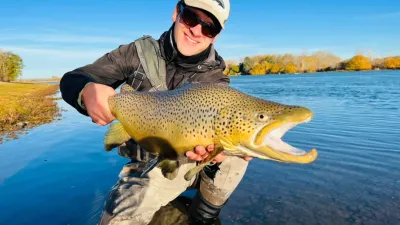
{"x": 190, "y": 18}
{"x": 209, "y": 31}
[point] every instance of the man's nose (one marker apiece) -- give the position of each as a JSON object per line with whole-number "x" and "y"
{"x": 196, "y": 30}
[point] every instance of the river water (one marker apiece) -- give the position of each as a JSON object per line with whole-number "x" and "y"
{"x": 59, "y": 173}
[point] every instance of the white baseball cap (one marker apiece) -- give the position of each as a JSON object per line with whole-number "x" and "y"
{"x": 219, "y": 8}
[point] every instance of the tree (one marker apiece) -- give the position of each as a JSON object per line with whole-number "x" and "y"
{"x": 276, "y": 68}
{"x": 10, "y": 66}
{"x": 235, "y": 69}
{"x": 359, "y": 62}
{"x": 392, "y": 63}
{"x": 259, "y": 69}
{"x": 290, "y": 68}
{"x": 248, "y": 64}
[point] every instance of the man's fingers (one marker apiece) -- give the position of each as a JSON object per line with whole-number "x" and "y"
{"x": 200, "y": 150}
{"x": 210, "y": 148}
{"x": 248, "y": 158}
{"x": 97, "y": 119}
{"x": 108, "y": 117}
{"x": 193, "y": 156}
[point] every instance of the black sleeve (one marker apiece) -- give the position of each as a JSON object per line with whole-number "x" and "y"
{"x": 112, "y": 69}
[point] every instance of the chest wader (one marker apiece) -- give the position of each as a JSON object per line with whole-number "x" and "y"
{"x": 153, "y": 67}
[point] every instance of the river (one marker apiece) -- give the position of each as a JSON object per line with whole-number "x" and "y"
{"x": 59, "y": 173}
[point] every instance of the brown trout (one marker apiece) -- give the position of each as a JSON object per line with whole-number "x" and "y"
{"x": 169, "y": 123}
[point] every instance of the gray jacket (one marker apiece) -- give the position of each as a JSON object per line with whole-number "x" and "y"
{"x": 117, "y": 67}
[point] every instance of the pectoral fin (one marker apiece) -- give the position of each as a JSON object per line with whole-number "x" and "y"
{"x": 191, "y": 173}
{"x": 169, "y": 168}
{"x": 115, "y": 136}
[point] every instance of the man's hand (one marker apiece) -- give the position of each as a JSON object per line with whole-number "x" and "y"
{"x": 199, "y": 153}
{"x": 95, "y": 97}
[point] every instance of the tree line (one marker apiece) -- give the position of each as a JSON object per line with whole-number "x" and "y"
{"x": 320, "y": 61}
{"x": 10, "y": 66}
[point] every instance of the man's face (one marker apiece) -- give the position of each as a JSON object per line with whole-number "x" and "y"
{"x": 190, "y": 40}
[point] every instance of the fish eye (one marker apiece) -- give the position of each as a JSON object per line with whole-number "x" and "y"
{"x": 262, "y": 117}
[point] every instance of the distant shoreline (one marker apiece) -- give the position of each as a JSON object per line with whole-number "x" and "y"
{"x": 317, "y": 72}
{"x": 37, "y": 80}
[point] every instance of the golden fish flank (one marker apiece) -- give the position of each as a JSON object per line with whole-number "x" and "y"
{"x": 168, "y": 123}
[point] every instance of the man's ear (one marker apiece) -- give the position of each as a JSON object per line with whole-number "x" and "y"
{"x": 175, "y": 14}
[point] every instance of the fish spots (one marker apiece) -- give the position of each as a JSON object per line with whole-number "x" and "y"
{"x": 190, "y": 113}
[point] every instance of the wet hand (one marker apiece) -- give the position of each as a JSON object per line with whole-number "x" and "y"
{"x": 199, "y": 153}
{"x": 95, "y": 97}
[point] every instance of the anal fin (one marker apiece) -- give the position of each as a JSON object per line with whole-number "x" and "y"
{"x": 115, "y": 136}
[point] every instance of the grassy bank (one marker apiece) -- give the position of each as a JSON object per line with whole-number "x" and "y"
{"x": 24, "y": 106}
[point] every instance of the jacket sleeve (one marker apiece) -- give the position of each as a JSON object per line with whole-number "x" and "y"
{"x": 111, "y": 69}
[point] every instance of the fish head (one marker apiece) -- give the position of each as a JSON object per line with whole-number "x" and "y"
{"x": 255, "y": 128}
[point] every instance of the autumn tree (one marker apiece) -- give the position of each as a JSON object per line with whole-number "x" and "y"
{"x": 10, "y": 66}
{"x": 290, "y": 68}
{"x": 229, "y": 64}
{"x": 258, "y": 69}
{"x": 276, "y": 68}
{"x": 359, "y": 62}
{"x": 392, "y": 63}
{"x": 248, "y": 64}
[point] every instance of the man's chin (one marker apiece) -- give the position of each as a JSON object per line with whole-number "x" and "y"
{"x": 186, "y": 51}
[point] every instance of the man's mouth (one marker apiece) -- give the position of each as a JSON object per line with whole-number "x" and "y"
{"x": 190, "y": 40}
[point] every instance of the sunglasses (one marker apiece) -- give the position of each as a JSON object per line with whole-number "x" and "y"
{"x": 191, "y": 19}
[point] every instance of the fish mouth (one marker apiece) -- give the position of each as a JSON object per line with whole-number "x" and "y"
{"x": 268, "y": 144}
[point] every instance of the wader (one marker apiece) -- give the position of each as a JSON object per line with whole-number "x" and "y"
{"x": 133, "y": 199}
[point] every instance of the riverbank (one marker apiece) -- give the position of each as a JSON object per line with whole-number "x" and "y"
{"x": 24, "y": 106}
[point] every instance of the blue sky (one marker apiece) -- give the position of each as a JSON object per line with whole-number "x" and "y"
{"x": 54, "y": 37}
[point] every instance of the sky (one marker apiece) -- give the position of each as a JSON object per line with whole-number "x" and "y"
{"x": 54, "y": 37}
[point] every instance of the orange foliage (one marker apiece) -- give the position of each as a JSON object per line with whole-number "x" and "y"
{"x": 290, "y": 68}
{"x": 311, "y": 69}
{"x": 258, "y": 69}
{"x": 392, "y": 63}
{"x": 359, "y": 62}
{"x": 276, "y": 68}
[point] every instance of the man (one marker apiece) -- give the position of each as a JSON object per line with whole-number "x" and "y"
{"x": 189, "y": 55}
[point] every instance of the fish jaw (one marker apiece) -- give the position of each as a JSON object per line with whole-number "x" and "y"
{"x": 266, "y": 142}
